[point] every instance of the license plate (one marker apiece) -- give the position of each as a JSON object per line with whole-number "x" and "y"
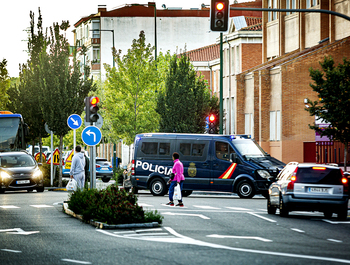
{"x": 104, "y": 168}
{"x": 319, "y": 190}
{"x": 23, "y": 181}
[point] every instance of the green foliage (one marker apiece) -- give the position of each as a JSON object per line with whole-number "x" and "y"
{"x": 4, "y": 84}
{"x": 155, "y": 216}
{"x": 186, "y": 102}
{"x": 130, "y": 92}
{"x": 332, "y": 86}
{"x": 111, "y": 206}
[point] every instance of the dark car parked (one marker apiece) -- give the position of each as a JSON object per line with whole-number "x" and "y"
{"x": 310, "y": 187}
{"x": 20, "y": 171}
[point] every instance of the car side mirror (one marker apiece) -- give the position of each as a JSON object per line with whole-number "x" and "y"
{"x": 234, "y": 158}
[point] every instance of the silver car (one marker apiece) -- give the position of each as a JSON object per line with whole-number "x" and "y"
{"x": 309, "y": 187}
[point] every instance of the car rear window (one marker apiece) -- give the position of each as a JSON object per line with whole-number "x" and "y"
{"x": 319, "y": 175}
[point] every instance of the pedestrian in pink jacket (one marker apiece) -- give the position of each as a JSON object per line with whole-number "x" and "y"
{"x": 178, "y": 177}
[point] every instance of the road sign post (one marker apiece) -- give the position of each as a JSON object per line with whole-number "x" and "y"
{"x": 74, "y": 122}
{"x": 91, "y": 136}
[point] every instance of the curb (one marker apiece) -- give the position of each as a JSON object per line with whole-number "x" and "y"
{"x": 101, "y": 225}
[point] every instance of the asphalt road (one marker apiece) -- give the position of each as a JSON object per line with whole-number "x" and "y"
{"x": 210, "y": 229}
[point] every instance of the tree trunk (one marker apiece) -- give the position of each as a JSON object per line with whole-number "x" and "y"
{"x": 345, "y": 154}
{"x": 61, "y": 156}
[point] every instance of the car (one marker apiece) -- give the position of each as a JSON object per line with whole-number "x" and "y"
{"x": 104, "y": 169}
{"x": 20, "y": 171}
{"x": 309, "y": 187}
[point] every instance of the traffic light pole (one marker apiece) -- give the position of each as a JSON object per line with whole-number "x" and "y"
{"x": 221, "y": 87}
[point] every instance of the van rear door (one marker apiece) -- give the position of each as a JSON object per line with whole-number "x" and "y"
{"x": 195, "y": 157}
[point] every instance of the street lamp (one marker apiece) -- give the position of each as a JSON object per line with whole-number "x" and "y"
{"x": 111, "y": 30}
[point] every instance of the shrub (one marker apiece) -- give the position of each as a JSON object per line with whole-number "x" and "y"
{"x": 111, "y": 206}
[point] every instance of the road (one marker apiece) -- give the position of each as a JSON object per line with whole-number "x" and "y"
{"x": 210, "y": 229}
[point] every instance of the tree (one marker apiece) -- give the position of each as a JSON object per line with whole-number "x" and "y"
{"x": 333, "y": 90}
{"x": 62, "y": 88}
{"x": 186, "y": 102}
{"x": 4, "y": 83}
{"x": 24, "y": 97}
{"x": 130, "y": 92}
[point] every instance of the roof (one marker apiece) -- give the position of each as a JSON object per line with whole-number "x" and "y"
{"x": 204, "y": 54}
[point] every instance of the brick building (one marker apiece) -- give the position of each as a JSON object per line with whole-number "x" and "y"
{"x": 270, "y": 97}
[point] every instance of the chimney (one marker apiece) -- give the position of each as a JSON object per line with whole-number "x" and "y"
{"x": 102, "y": 8}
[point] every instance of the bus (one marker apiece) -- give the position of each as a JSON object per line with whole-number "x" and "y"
{"x": 13, "y": 131}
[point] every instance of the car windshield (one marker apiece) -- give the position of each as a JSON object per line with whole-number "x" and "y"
{"x": 248, "y": 148}
{"x": 9, "y": 161}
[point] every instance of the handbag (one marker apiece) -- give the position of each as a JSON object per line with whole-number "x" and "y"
{"x": 177, "y": 192}
{"x": 72, "y": 185}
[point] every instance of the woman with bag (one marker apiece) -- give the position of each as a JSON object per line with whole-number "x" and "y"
{"x": 177, "y": 180}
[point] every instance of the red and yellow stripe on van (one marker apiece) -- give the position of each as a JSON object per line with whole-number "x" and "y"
{"x": 228, "y": 173}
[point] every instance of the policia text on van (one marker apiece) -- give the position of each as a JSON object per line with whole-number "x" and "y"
{"x": 230, "y": 163}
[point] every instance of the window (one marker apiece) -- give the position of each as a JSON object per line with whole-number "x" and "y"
{"x": 96, "y": 33}
{"x": 164, "y": 149}
{"x": 149, "y": 148}
{"x": 311, "y": 3}
{"x": 185, "y": 149}
{"x": 96, "y": 55}
{"x": 197, "y": 149}
{"x": 290, "y": 4}
{"x": 275, "y": 125}
{"x": 249, "y": 124}
{"x": 223, "y": 151}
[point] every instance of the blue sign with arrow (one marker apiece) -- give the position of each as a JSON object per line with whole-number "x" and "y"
{"x": 74, "y": 121}
{"x": 91, "y": 135}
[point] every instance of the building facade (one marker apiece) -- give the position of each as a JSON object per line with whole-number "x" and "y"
{"x": 271, "y": 96}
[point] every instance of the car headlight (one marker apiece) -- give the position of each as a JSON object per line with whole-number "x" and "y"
{"x": 37, "y": 174}
{"x": 4, "y": 175}
{"x": 264, "y": 174}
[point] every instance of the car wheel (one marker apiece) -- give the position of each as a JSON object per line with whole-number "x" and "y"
{"x": 158, "y": 187}
{"x": 2, "y": 191}
{"x": 283, "y": 209}
{"x": 106, "y": 179}
{"x": 245, "y": 189}
{"x": 343, "y": 214}
{"x": 270, "y": 209}
{"x": 186, "y": 193}
{"x": 327, "y": 214}
{"x": 40, "y": 189}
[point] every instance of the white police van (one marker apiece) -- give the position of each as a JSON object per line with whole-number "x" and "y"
{"x": 229, "y": 163}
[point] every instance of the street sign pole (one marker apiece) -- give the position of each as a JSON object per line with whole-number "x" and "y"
{"x": 74, "y": 139}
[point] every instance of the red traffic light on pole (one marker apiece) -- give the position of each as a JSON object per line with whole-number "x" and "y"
{"x": 91, "y": 109}
{"x": 212, "y": 124}
{"x": 219, "y": 15}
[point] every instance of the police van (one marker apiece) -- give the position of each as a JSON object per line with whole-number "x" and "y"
{"x": 227, "y": 163}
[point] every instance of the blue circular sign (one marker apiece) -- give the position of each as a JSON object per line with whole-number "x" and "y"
{"x": 74, "y": 121}
{"x": 91, "y": 135}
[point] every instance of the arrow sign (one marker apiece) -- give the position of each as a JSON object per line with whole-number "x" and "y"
{"x": 74, "y": 121}
{"x": 91, "y": 135}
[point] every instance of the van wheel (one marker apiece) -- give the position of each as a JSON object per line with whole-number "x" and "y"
{"x": 245, "y": 189}
{"x": 158, "y": 187}
{"x": 186, "y": 193}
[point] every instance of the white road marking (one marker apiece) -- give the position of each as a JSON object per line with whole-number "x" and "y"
{"x": 41, "y": 206}
{"x": 12, "y": 250}
{"x": 188, "y": 214}
{"x": 334, "y": 240}
{"x": 298, "y": 230}
{"x": 145, "y": 205}
{"x": 76, "y": 261}
{"x": 173, "y": 206}
{"x": 265, "y": 218}
{"x": 180, "y": 239}
{"x": 9, "y": 207}
{"x": 18, "y": 231}
{"x": 336, "y": 223}
{"x": 206, "y": 207}
{"x": 238, "y": 208}
{"x": 242, "y": 237}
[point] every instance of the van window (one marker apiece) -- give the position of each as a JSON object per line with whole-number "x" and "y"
{"x": 223, "y": 150}
{"x": 164, "y": 149}
{"x": 193, "y": 151}
{"x": 149, "y": 148}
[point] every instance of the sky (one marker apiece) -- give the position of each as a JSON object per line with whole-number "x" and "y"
{"x": 14, "y": 20}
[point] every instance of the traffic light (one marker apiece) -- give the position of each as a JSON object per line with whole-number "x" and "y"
{"x": 219, "y": 15}
{"x": 212, "y": 124}
{"x": 91, "y": 109}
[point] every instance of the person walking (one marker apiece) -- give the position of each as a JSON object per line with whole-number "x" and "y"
{"x": 178, "y": 177}
{"x": 77, "y": 170}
